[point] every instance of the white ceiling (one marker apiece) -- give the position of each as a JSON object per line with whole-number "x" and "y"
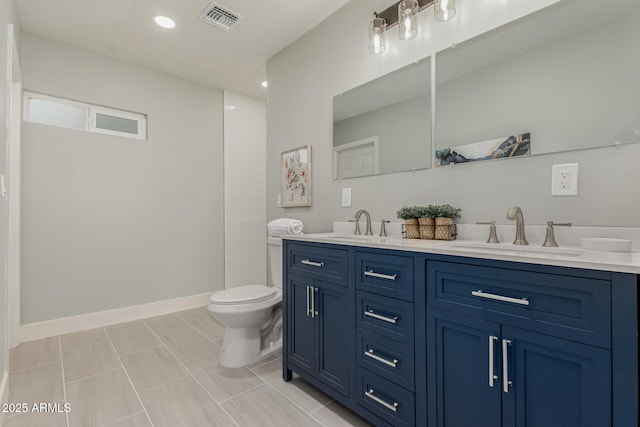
{"x": 124, "y": 29}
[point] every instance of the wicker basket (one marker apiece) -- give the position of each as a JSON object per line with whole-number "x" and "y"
{"x": 411, "y": 229}
{"x": 427, "y": 228}
{"x": 445, "y": 229}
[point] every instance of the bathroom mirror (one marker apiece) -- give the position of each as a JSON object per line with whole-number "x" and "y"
{"x": 384, "y": 126}
{"x": 567, "y": 75}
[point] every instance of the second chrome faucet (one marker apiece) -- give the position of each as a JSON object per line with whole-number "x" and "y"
{"x": 516, "y": 213}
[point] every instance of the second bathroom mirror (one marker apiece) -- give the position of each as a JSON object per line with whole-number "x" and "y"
{"x": 384, "y": 126}
{"x": 568, "y": 76}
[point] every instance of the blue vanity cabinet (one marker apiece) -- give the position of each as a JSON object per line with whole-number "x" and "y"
{"x": 552, "y": 381}
{"x": 418, "y": 339}
{"x": 385, "y": 329}
{"x": 510, "y": 347}
{"x": 319, "y": 328}
{"x": 490, "y": 375}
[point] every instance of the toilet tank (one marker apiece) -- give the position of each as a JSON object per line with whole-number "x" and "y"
{"x": 274, "y": 253}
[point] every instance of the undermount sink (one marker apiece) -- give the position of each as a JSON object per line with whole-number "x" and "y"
{"x": 521, "y": 250}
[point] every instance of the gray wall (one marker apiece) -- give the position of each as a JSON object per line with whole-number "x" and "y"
{"x": 333, "y": 57}
{"x": 108, "y": 221}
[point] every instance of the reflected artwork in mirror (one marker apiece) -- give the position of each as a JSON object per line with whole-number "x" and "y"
{"x": 384, "y": 126}
{"x": 567, "y": 75}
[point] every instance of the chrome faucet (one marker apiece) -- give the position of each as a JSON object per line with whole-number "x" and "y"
{"x": 516, "y": 213}
{"x": 368, "y": 231}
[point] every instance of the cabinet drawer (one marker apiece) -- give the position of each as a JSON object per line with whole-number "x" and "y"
{"x": 318, "y": 261}
{"x": 385, "y": 316}
{"x": 575, "y": 308}
{"x": 385, "y": 275}
{"x": 389, "y": 359}
{"x": 390, "y": 402}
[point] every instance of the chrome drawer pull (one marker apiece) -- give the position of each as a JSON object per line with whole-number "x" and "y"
{"x": 479, "y": 293}
{"x": 375, "y": 315}
{"x": 370, "y": 395}
{"x": 372, "y": 273}
{"x": 312, "y": 263}
{"x": 371, "y": 354}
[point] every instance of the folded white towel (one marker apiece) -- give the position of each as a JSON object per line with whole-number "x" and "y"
{"x": 283, "y": 226}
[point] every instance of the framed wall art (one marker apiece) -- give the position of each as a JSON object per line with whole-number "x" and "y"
{"x": 295, "y": 176}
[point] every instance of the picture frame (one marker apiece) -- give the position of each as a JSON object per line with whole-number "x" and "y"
{"x": 295, "y": 177}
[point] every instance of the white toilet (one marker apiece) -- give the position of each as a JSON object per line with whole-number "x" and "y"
{"x": 251, "y": 315}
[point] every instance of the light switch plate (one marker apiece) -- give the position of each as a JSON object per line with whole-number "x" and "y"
{"x": 564, "y": 180}
{"x": 346, "y": 197}
{"x": 279, "y": 202}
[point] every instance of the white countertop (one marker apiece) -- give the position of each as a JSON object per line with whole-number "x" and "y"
{"x": 566, "y": 256}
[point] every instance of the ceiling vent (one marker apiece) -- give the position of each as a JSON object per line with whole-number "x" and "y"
{"x": 220, "y": 17}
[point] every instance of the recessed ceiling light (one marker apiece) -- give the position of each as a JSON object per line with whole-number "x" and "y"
{"x": 265, "y": 84}
{"x": 165, "y": 22}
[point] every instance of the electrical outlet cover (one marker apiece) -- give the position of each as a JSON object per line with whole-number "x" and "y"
{"x": 564, "y": 180}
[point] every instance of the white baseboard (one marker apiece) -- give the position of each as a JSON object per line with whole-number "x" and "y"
{"x": 67, "y": 325}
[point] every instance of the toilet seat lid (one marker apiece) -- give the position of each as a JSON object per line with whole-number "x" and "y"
{"x": 243, "y": 294}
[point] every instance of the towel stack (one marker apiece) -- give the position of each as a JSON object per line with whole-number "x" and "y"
{"x": 284, "y": 226}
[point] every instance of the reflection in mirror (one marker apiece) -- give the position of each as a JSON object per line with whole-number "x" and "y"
{"x": 384, "y": 126}
{"x": 568, "y": 75}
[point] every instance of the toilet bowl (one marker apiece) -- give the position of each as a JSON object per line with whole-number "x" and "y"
{"x": 251, "y": 315}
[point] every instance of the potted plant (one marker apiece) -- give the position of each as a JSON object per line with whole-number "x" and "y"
{"x": 427, "y": 222}
{"x": 410, "y": 215}
{"x": 444, "y": 226}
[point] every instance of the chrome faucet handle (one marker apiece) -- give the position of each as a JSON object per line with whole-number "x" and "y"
{"x": 550, "y": 238}
{"x": 493, "y": 235}
{"x": 357, "y": 230}
{"x": 383, "y": 231}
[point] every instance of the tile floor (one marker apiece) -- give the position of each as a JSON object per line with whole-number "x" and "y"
{"x": 161, "y": 371}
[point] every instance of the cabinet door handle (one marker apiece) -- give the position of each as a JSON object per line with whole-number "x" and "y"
{"x": 312, "y": 263}
{"x": 308, "y": 301}
{"x": 392, "y": 406}
{"x": 313, "y": 298}
{"x": 370, "y": 353}
{"x": 375, "y": 315}
{"x": 479, "y": 293}
{"x": 492, "y": 376}
{"x": 505, "y": 366}
{"x": 372, "y": 273}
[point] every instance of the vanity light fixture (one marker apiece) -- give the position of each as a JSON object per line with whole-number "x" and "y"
{"x": 264, "y": 84}
{"x": 408, "y": 19}
{"x": 377, "y": 35}
{"x": 444, "y": 10}
{"x": 404, "y": 14}
{"x": 165, "y": 22}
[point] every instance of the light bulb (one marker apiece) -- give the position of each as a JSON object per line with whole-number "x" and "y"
{"x": 377, "y": 38}
{"x": 444, "y": 10}
{"x": 407, "y": 19}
